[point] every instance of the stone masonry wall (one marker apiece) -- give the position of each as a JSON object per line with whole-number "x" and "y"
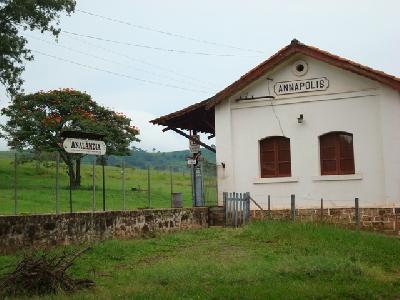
{"x": 386, "y": 220}
{"x": 21, "y": 232}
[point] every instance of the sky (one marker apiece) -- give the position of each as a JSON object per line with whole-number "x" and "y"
{"x": 150, "y": 58}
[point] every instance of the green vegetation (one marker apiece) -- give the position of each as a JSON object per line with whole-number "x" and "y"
{"x": 159, "y": 160}
{"x": 18, "y": 15}
{"x": 36, "y": 187}
{"x": 264, "y": 260}
{"x": 38, "y": 121}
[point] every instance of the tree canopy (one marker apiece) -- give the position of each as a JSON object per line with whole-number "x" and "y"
{"x": 35, "y": 122}
{"x": 16, "y": 15}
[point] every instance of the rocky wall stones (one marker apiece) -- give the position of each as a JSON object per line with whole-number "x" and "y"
{"x": 386, "y": 220}
{"x": 25, "y": 231}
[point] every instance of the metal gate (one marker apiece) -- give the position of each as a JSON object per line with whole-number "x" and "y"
{"x": 210, "y": 190}
{"x": 236, "y": 208}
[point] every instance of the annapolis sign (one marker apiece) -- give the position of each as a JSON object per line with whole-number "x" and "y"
{"x": 83, "y": 146}
{"x": 301, "y": 86}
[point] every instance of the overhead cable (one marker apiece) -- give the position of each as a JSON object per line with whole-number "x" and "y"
{"x": 168, "y": 33}
{"x": 119, "y": 74}
{"x": 165, "y": 69}
{"x": 178, "y": 51}
{"x": 53, "y": 43}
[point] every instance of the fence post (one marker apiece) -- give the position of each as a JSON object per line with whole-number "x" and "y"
{"x": 357, "y": 213}
{"x": 104, "y": 182}
{"x": 94, "y": 184}
{"x": 70, "y": 194}
{"x": 58, "y": 183}
{"x": 292, "y": 207}
{"x": 148, "y": 188}
{"x": 172, "y": 184}
{"x": 123, "y": 184}
{"x": 224, "y": 196}
{"x": 269, "y": 206}
{"x": 236, "y": 208}
{"x": 322, "y": 209}
{"x": 15, "y": 183}
{"x": 247, "y": 208}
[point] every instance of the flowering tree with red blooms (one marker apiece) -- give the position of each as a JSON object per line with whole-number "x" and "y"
{"x": 35, "y": 122}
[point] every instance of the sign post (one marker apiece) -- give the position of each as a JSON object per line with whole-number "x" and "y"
{"x": 85, "y": 143}
{"x": 94, "y": 185}
{"x": 84, "y": 146}
{"x": 197, "y": 178}
{"x": 70, "y": 194}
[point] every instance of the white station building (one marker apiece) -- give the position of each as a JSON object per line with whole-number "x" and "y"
{"x": 308, "y": 123}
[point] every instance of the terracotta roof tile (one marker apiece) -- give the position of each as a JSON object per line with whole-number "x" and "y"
{"x": 293, "y": 48}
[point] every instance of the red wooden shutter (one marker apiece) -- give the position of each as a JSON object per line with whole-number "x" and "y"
{"x": 336, "y": 153}
{"x": 328, "y": 154}
{"x": 283, "y": 157}
{"x": 275, "y": 157}
{"x": 267, "y": 156}
{"x": 345, "y": 142}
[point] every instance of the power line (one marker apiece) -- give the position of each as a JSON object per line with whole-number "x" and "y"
{"x": 152, "y": 47}
{"x": 53, "y": 43}
{"x": 165, "y": 69}
{"x": 119, "y": 74}
{"x": 168, "y": 33}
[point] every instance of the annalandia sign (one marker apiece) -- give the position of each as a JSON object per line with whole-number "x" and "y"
{"x": 301, "y": 86}
{"x": 83, "y": 146}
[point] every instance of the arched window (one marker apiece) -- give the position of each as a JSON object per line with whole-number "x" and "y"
{"x": 275, "y": 157}
{"x": 336, "y": 153}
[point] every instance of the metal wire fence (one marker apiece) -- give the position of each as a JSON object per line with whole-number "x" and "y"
{"x": 273, "y": 201}
{"x": 29, "y": 186}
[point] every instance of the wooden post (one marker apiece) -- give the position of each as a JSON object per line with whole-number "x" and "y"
{"x": 94, "y": 184}
{"x": 247, "y": 207}
{"x": 224, "y": 196}
{"x": 123, "y": 184}
{"x": 292, "y": 207}
{"x": 172, "y": 184}
{"x": 357, "y": 213}
{"x": 70, "y": 194}
{"x": 104, "y": 182}
{"x": 236, "y": 208}
{"x": 148, "y": 188}
{"x": 269, "y": 206}
{"x": 322, "y": 209}
{"x": 58, "y": 183}
{"x": 15, "y": 184}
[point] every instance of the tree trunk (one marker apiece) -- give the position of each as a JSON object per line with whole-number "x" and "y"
{"x": 74, "y": 169}
{"x": 71, "y": 174}
{"x": 78, "y": 173}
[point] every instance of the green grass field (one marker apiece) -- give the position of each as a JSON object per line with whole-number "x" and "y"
{"x": 36, "y": 191}
{"x": 264, "y": 260}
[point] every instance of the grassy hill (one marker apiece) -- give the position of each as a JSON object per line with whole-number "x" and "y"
{"x": 36, "y": 191}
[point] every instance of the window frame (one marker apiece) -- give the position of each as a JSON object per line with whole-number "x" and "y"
{"x": 276, "y": 162}
{"x": 339, "y": 156}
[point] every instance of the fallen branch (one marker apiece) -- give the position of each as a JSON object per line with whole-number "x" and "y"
{"x": 42, "y": 274}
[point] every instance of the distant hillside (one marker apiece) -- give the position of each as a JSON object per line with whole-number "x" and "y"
{"x": 139, "y": 158}
{"x": 159, "y": 160}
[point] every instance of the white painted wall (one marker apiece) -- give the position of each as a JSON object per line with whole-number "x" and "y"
{"x": 368, "y": 110}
